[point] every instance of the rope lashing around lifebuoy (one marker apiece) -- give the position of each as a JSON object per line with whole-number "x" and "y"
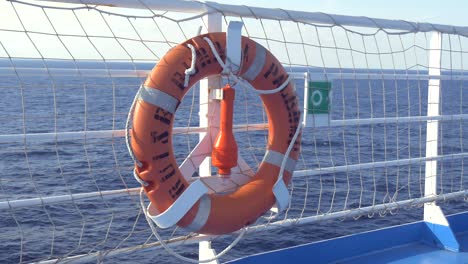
{"x": 190, "y": 71}
{"x": 127, "y": 139}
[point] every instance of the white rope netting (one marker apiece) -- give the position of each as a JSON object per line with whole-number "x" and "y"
{"x": 69, "y": 73}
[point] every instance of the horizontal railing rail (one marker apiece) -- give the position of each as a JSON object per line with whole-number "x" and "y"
{"x": 81, "y": 135}
{"x": 203, "y": 8}
{"x": 20, "y": 203}
{"x": 431, "y": 72}
{"x": 357, "y": 212}
{"x": 316, "y": 74}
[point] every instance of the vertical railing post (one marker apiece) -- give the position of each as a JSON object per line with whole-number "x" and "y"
{"x": 438, "y": 232}
{"x": 433, "y": 109}
{"x": 208, "y": 107}
{"x": 209, "y": 117}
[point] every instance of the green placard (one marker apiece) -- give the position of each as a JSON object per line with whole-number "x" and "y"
{"x": 318, "y": 101}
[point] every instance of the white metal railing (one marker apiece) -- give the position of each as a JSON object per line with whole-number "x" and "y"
{"x": 358, "y": 212}
{"x": 207, "y": 8}
{"x": 211, "y": 13}
{"x": 80, "y": 135}
{"x": 328, "y": 75}
{"x": 46, "y": 200}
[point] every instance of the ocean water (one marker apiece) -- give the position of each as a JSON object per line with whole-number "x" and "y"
{"x": 38, "y": 100}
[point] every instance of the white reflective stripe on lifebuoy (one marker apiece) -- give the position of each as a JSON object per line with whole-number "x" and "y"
{"x": 202, "y": 215}
{"x": 181, "y": 206}
{"x": 159, "y": 98}
{"x": 257, "y": 64}
{"x": 275, "y": 158}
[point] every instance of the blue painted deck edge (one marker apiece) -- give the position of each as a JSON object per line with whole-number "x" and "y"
{"x": 356, "y": 245}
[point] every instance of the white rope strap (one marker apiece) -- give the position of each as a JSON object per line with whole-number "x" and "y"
{"x": 127, "y": 138}
{"x": 181, "y": 206}
{"x": 127, "y": 128}
{"x": 276, "y": 90}
{"x": 138, "y": 179}
{"x": 280, "y": 190}
{"x": 190, "y": 71}
{"x": 239, "y": 79}
{"x": 177, "y": 255}
{"x": 215, "y": 52}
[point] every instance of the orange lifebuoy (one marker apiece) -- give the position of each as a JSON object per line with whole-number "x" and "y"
{"x": 153, "y": 120}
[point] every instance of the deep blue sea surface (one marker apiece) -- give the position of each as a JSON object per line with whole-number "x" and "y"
{"x": 35, "y": 97}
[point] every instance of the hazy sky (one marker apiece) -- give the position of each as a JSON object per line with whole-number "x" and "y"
{"x": 434, "y": 11}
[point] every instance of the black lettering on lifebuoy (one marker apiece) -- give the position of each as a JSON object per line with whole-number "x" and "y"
{"x": 203, "y": 51}
{"x": 220, "y": 50}
{"x": 179, "y": 191}
{"x": 245, "y": 53}
{"x": 203, "y": 57}
{"x": 268, "y": 72}
{"x": 273, "y": 70}
{"x": 161, "y": 156}
{"x": 166, "y": 168}
{"x": 176, "y": 185}
{"x": 169, "y": 174}
{"x": 163, "y": 116}
{"x": 173, "y": 188}
{"x": 178, "y": 79}
{"x": 162, "y": 137}
{"x": 176, "y": 189}
{"x": 178, "y": 84}
{"x": 290, "y": 102}
{"x": 218, "y": 45}
{"x": 279, "y": 80}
